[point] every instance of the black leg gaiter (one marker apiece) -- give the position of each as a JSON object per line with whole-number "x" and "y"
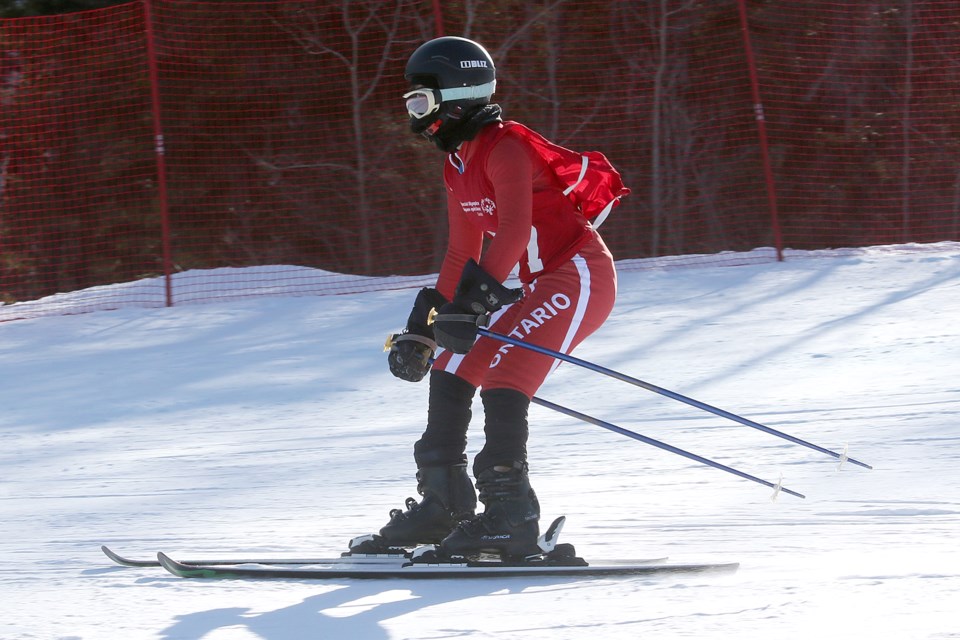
{"x": 448, "y": 415}
{"x": 505, "y": 426}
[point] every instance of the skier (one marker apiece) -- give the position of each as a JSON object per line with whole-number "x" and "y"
{"x": 532, "y": 199}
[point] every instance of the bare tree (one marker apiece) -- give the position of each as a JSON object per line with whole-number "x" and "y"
{"x": 907, "y": 115}
{"x": 668, "y": 63}
{"x": 361, "y": 22}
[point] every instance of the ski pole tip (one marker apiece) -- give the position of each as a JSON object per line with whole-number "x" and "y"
{"x": 792, "y": 493}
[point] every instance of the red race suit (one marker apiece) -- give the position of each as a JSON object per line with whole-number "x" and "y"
{"x": 529, "y": 201}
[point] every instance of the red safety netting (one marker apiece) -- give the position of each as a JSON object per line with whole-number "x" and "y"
{"x": 862, "y": 103}
{"x": 77, "y": 170}
{"x": 181, "y": 140}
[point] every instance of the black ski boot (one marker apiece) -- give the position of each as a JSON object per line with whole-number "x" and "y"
{"x": 448, "y": 498}
{"x": 508, "y": 527}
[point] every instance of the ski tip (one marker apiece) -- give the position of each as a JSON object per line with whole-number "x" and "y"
{"x": 169, "y": 564}
{"x": 125, "y": 562}
{"x": 182, "y": 570}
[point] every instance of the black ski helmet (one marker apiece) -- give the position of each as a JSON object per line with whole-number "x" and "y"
{"x": 461, "y": 75}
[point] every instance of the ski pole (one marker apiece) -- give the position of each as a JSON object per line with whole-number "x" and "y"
{"x": 666, "y": 392}
{"x": 662, "y": 445}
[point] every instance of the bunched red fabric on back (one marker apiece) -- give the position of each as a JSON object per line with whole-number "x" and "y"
{"x": 595, "y": 187}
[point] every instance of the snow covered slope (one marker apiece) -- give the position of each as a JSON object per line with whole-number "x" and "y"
{"x": 272, "y": 426}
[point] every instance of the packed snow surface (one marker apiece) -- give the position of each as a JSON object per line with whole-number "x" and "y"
{"x": 271, "y": 426}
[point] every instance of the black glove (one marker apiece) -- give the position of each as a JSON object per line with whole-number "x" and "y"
{"x": 411, "y": 350}
{"x": 478, "y": 295}
{"x": 409, "y": 358}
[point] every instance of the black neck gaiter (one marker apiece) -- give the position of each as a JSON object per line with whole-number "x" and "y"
{"x": 449, "y": 137}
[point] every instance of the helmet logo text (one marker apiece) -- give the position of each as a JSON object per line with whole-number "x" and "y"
{"x": 473, "y": 64}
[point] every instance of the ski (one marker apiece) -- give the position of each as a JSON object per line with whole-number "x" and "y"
{"x": 367, "y": 558}
{"x": 366, "y": 549}
{"x": 552, "y": 559}
{"x": 481, "y": 569}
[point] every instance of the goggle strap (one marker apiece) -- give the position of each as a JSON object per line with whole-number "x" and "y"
{"x": 469, "y": 93}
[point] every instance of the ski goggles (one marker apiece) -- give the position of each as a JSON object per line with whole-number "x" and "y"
{"x": 423, "y": 101}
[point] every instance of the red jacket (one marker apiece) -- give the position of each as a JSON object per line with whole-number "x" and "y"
{"x": 532, "y": 197}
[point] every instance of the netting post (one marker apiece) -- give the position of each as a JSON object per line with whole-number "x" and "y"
{"x": 761, "y": 129}
{"x": 437, "y": 19}
{"x": 159, "y": 150}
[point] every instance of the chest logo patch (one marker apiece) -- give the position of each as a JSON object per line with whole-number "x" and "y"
{"x": 484, "y": 207}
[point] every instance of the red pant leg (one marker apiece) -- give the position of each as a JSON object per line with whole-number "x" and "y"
{"x": 559, "y": 310}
